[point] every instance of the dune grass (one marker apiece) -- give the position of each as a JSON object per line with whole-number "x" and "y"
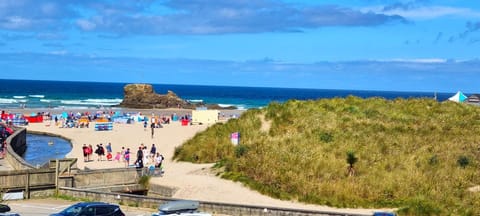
{"x": 417, "y": 155}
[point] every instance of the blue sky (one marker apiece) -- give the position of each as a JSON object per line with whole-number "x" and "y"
{"x": 412, "y": 45}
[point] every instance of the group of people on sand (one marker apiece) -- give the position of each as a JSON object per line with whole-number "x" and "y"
{"x": 103, "y": 153}
{"x": 145, "y": 157}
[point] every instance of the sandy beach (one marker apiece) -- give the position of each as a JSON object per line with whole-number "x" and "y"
{"x": 193, "y": 181}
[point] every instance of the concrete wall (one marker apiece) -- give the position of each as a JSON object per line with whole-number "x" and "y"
{"x": 155, "y": 190}
{"x": 17, "y": 144}
{"x": 106, "y": 177}
{"x": 212, "y": 207}
{"x": 18, "y": 141}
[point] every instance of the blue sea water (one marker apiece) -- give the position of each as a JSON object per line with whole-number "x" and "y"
{"x": 83, "y": 95}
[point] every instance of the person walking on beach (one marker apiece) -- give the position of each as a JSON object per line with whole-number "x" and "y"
{"x": 109, "y": 148}
{"x": 153, "y": 151}
{"x": 90, "y": 152}
{"x": 153, "y": 127}
{"x": 123, "y": 154}
{"x": 145, "y": 154}
{"x": 85, "y": 152}
{"x": 140, "y": 153}
{"x": 117, "y": 157}
{"x": 100, "y": 152}
{"x": 127, "y": 157}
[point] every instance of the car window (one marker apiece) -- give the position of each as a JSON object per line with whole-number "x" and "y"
{"x": 118, "y": 212}
{"x": 72, "y": 210}
{"x": 89, "y": 211}
{"x": 103, "y": 210}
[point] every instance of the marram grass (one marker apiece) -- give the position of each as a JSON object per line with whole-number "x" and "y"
{"x": 417, "y": 155}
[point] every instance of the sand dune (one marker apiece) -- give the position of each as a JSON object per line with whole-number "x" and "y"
{"x": 193, "y": 181}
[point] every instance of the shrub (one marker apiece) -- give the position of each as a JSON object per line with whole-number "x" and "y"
{"x": 463, "y": 161}
{"x": 326, "y": 137}
{"x": 240, "y": 150}
{"x": 433, "y": 160}
{"x": 144, "y": 181}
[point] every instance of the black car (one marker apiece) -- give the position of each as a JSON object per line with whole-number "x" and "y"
{"x": 91, "y": 209}
{"x": 5, "y": 211}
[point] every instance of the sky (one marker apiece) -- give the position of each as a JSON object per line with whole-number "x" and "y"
{"x": 393, "y": 45}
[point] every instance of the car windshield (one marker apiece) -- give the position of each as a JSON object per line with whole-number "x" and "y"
{"x": 72, "y": 210}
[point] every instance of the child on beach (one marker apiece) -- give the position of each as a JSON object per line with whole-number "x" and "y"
{"x": 127, "y": 157}
{"x": 118, "y": 156}
{"x": 123, "y": 154}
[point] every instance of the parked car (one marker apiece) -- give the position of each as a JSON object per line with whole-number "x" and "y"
{"x": 91, "y": 209}
{"x": 5, "y": 211}
{"x": 180, "y": 207}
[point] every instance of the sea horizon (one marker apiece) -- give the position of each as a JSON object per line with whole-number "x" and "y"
{"x": 87, "y": 95}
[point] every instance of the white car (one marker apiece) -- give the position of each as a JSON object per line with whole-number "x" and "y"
{"x": 180, "y": 207}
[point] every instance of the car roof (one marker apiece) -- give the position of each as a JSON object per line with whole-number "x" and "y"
{"x": 93, "y": 203}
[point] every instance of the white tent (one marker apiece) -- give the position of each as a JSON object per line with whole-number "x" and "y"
{"x": 458, "y": 97}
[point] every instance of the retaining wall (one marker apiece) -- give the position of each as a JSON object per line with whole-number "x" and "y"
{"x": 16, "y": 146}
{"x": 212, "y": 207}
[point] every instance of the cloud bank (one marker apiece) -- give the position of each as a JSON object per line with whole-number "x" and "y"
{"x": 150, "y": 17}
{"x": 438, "y": 75}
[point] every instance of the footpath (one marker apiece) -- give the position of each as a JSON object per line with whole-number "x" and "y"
{"x": 4, "y": 165}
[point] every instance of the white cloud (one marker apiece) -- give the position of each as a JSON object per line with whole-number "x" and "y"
{"x": 86, "y": 25}
{"x": 435, "y": 12}
{"x": 426, "y": 12}
{"x": 15, "y": 22}
{"x": 421, "y": 60}
{"x": 58, "y": 52}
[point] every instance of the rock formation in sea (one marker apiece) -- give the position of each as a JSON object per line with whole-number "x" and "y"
{"x": 144, "y": 97}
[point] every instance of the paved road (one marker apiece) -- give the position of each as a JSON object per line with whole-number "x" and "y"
{"x": 43, "y": 207}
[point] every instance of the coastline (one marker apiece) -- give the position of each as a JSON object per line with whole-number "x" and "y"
{"x": 157, "y": 112}
{"x": 192, "y": 181}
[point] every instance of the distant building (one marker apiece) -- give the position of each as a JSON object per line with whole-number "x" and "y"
{"x": 203, "y": 116}
{"x": 474, "y": 98}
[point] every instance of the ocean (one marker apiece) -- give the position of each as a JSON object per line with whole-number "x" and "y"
{"x": 87, "y": 95}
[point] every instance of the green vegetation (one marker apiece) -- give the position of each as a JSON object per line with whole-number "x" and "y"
{"x": 71, "y": 198}
{"x": 416, "y": 155}
{"x": 145, "y": 181}
{"x": 351, "y": 160}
